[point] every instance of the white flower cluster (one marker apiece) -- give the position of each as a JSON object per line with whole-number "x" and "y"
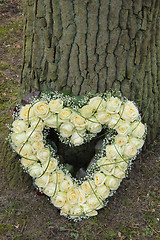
{"x": 78, "y": 200}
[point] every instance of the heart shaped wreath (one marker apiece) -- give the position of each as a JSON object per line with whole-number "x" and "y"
{"x": 76, "y": 121}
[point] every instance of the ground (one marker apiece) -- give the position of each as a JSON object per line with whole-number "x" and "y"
{"x": 132, "y": 213}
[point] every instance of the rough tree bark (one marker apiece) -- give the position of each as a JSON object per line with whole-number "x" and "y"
{"x": 94, "y": 45}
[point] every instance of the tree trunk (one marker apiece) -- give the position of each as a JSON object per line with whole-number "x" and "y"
{"x": 95, "y": 45}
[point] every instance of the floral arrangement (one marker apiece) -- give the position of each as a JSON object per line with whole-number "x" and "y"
{"x": 77, "y": 120}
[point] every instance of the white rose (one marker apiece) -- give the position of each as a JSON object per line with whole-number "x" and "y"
{"x": 76, "y": 139}
{"x": 76, "y": 211}
{"x": 137, "y": 142}
{"x": 36, "y": 146}
{"x": 40, "y": 125}
{"x": 103, "y": 191}
{"x": 138, "y": 129}
{"x": 66, "y": 129}
{"x": 119, "y": 173}
{"x": 88, "y": 211}
{"x": 52, "y": 165}
{"x": 73, "y": 195}
{"x": 19, "y": 126}
{"x": 103, "y": 117}
{"x": 66, "y": 209}
{"x": 86, "y": 111}
{"x": 26, "y": 150}
{"x": 113, "y": 152}
{"x": 66, "y": 184}
{"x": 51, "y": 189}
{"x": 41, "y": 109}
{"x": 123, "y": 127}
{"x": 106, "y": 165}
{"x": 85, "y": 186}
{"x": 57, "y": 176}
{"x": 113, "y": 105}
{"x": 99, "y": 178}
{"x": 53, "y": 121}
{"x": 65, "y": 113}
{"x": 93, "y": 126}
{"x": 129, "y": 150}
{"x": 114, "y": 119}
{"x": 112, "y": 182}
{"x": 59, "y": 200}
{"x": 97, "y": 104}
{"x": 42, "y": 181}
{"x": 24, "y": 112}
{"x": 121, "y": 140}
{"x": 34, "y": 135}
{"x": 129, "y": 111}
{"x": 35, "y": 170}
{"x": 18, "y": 138}
{"x": 122, "y": 164}
{"x": 78, "y": 121}
{"x": 56, "y": 105}
{"x": 26, "y": 162}
{"x": 43, "y": 154}
{"x": 82, "y": 197}
{"x": 93, "y": 202}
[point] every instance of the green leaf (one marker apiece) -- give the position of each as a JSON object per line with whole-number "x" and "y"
{"x": 69, "y": 167}
{"x": 62, "y": 228}
{"x": 66, "y": 92}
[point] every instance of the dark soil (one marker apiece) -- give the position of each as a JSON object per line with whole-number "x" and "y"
{"x": 132, "y": 213}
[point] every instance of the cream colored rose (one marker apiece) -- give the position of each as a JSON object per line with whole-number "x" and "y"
{"x": 85, "y": 186}
{"x": 89, "y": 212}
{"x": 66, "y": 209}
{"x": 76, "y": 210}
{"x": 78, "y": 121}
{"x": 119, "y": 173}
{"x": 34, "y": 123}
{"x": 51, "y": 189}
{"x": 138, "y": 129}
{"x": 73, "y": 195}
{"x": 106, "y": 165}
{"x": 129, "y": 150}
{"x": 57, "y": 176}
{"x": 34, "y": 135}
{"x": 36, "y": 146}
{"x": 113, "y": 105}
{"x": 25, "y": 110}
{"x": 99, "y": 178}
{"x": 86, "y": 111}
{"x": 112, "y": 182}
{"x": 19, "y": 126}
{"x": 59, "y": 200}
{"x": 122, "y": 164}
{"x": 43, "y": 154}
{"x": 76, "y": 139}
{"x": 26, "y": 150}
{"x": 121, "y": 140}
{"x": 129, "y": 111}
{"x": 97, "y": 104}
{"x": 56, "y": 105}
{"x": 66, "y": 129}
{"x": 27, "y": 163}
{"x": 93, "y": 202}
{"x": 65, "y": 113}
{"x": 53, "y": 121}
{"x": 66, "y": 184}
{"x": 82, "y": 197}
{"x": 35, "y": 170}
{"x": 42, "y": 181}
{"x": 52, "y": 165}
{"x": 18, "y": 138}
{"x": 137, "y": 142}
{"x": 41, "y": 109}
{"x": 113, "y": 152}
{"x": 114, "y": 120}
{"x": 102, "y": 191}
{"x": 123, "y": 128}
{"x": 103, "y": 117}
{"x": 93, "y": 126}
